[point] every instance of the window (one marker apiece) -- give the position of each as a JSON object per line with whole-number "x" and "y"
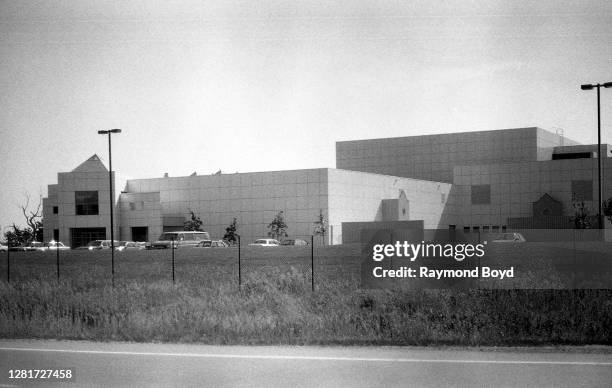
{"x": 140, "y": 233}
{"x": 481, "y": 194}
{"x": 55, "y": 210}
{"x": 56, "y": 234}
{"x": 86, "y": 202}
{"x": 466, "y": 229}
{"x": 582, "y": 190}
{"x": 495, "y": 228}
{"x": 132, "y": 206}
{"x": 443, "y": 197}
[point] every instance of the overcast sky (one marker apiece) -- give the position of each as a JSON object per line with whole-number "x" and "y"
{"x": 256, "y": 86}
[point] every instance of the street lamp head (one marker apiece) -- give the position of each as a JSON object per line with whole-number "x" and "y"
{"x": 607, "y": 85}
{"x": 116, "y": 130}
{"x": 586, "y": 87}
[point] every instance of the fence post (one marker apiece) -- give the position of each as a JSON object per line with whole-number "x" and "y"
{"x": 239, "y": 265}
{"x": 8, "y": 261}
{"x": 173, "y": 260}
{"x": 312, "y": 261}
{"x": 57, "y": 258}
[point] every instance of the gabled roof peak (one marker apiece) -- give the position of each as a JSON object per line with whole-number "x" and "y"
{"x": 93, "y": 164}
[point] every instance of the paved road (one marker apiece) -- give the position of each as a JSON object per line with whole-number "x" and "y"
{"x": 128, "y": 364}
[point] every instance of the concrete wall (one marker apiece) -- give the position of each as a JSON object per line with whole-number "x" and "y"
{"x": 253, "y": 198}
{"x": 433, "y": 157}
{"x": 140, "y": 209}
{"x": 63, "y": 196}
{"x": 357, "y": 197}
{"x": 514, "y": 187}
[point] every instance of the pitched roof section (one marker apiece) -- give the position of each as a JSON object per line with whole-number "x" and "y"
{"x": 93, "y": 164}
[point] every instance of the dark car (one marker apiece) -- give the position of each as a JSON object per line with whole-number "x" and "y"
{"x": 294, "y": 241}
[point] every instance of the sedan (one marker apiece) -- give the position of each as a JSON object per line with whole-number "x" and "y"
{"x": 52, "y": 246}
{"x": 265, "y": 242}
{"x": 212, "y": 244}
{"x": 129, "y": 246}
{"x": 296, "y": 241}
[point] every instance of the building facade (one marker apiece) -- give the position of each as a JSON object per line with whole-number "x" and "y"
{"x": 490, "y": 180}
{"x": 497, "y": 176}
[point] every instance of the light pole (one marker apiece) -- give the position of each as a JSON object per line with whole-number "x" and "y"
{"x": 110, "y": 183}
{"x": 591, "y": 87}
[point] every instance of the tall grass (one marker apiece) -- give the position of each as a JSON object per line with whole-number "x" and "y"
{"x": 276, "y": 306}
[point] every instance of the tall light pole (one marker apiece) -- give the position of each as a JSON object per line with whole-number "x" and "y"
{"x": 110, "y": 183}
{"x": 591, "y": 87}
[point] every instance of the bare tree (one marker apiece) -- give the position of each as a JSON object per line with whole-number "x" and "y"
{"x": 33, "y": 218}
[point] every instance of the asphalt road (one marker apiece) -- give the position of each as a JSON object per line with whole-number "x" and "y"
{"x": 129, "y": 365}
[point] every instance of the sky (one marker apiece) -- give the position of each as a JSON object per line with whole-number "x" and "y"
{"x": 244, "y": 86}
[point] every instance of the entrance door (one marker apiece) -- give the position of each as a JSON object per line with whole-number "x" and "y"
{"x": 140, "y": 233}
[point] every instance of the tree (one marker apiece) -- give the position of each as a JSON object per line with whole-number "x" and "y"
{"x": 194, "y": 224}
{"x": 320, "y": 225}
{"x": 581, "y": 217}
{"x": 278, "y": 227}
{"x": 607, "y": 209}
{"x": 33, "y": 218}
{"x": 18, "y": 236}
{"x": 230, "y": 232}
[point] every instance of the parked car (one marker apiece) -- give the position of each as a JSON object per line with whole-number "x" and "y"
{"x": 181, "y": 239}
{"x": 29, "y": 247}
{"x": 129, "y": 246}
{"x": 265, "y": 242}
{"x": 512, "y": 237}
{"x": 52, "y": 246}
{"x": 212, "y": 244}
{"x": 98, "y": 244}
{"x": 292, "y": 241}
{"x": 3, "y": 248}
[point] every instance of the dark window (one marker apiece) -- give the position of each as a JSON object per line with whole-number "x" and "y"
{"x": 495, "y": 228}
{"x": 86, "y": 202}
{"x": 582, "y": 190}
{"x": 132, "y": 206}
{"x": 55, "y": 210}
{"x": 466, "y": 229}
{"x": 481, "y": 194}
{"x": 140, "y": 233}
{"x": 573, "y": 155}
{"x": 56, "y": 234}
{"x": 80, "y": 237}
{"x": 504, "y": 228}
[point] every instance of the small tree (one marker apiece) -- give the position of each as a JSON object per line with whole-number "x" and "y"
{"x": 320, "y": 225}
{"x": 194, "y": 224}
{"x": 278, "y": 227}
{"x": 230, "y": 232}
{"x": 18, "y": 236}
{"x": 607, "y": 209}
{"x": 581, "y": 217}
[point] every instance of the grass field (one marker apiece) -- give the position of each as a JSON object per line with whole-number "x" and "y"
{"x": 275, "y": 304}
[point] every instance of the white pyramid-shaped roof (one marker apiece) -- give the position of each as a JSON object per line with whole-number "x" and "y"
{"x": 93, "y": 164}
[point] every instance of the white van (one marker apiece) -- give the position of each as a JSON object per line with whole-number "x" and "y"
{"x": 181, "y": 238}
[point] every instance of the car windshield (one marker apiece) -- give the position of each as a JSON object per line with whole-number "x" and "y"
{"x": 261, "y": 241}
{"x": 96, "y": 243}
